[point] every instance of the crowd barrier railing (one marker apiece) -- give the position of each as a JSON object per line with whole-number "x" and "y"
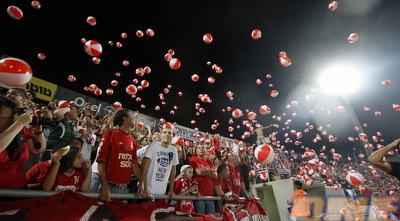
{"x": 39, "y": 193}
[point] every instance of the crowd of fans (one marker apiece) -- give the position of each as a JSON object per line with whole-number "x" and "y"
{"x": 33, "y": 138}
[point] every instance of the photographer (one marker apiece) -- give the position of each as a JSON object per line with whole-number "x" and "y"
{"x": 62, "y": 134}
{"x": 37, "y": 141}
{"x": 15, "y": 141}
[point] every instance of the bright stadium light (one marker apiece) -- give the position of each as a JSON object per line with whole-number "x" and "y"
{"x": 339, "y": 80}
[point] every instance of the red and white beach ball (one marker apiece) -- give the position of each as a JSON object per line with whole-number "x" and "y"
{"x": 274, "y": 93}
{"x": 207, "y": 38}
{"x": 131, "y": 89}
{"x": 355, "y": 178}
{"x": 91, "y": 20}
{"x": 264, "y": 175}
{"x": 256, "y": 34}
{"x": 264, "y": 109}
{"x": 237, "y": 113}
{"x": 109, "y": 91}
{"x": 14, "y": 72}
{"x": 71, "y": 78}
{"x": 41, "y": 56}
{"x": 251, "y": 115}
{"x": 36, "y": 4}
{"x": 174, "y": 63}
{"x": 353, "y": 37}
{"x": 211, "y": 154}
{"x": 285, "y": 61}
{"x": 264, "y": 153}
{"x": 150, "y": 32}
{"x": 117, "y": 105}
{"x": 139, "y": 33}
{"x": 15, "y": 12}
{"x": 93, "y": 48}
{"x": 333, "y": 5}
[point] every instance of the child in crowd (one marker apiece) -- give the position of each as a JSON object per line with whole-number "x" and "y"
{"x": 67, "y": 173}
{"x": 183, "y": 186}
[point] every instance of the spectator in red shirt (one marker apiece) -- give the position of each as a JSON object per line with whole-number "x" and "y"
{"x": 235, "y": 178}
{"x": 204, "y": 174}
{"x": 67, "y": 172}
{"x": 117, "y": 158}
{"x": 184, "y": 186}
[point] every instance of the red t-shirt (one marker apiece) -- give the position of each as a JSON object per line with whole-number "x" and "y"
{"x": 38, "y": 172}
{"x": 66, "y": 181}
{"x": 118, "y": 152}
{"x": 235, "y": 179}
{"x": 12, "y": 174}
{"x": 223, "y": 183}
{"x": 217, "y": 144}
{"x": 205, "y": 182}
{"x": 182, "y": 185}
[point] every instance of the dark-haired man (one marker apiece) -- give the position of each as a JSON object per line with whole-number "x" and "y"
{"x": 299, "y": 201}
{"x": 117, "y": 158}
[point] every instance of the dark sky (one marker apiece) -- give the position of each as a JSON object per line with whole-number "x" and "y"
{"x": 312, "y": 36}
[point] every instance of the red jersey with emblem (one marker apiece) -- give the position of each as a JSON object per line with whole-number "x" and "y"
{"x": 118, "y": 153}
{"x": 206, "y": 187}
{"x": 181, "y": 185}
{"x": 66, "y": 181}
{"x": 235, "y": 179}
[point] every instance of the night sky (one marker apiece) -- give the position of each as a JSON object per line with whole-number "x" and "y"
{"x": 313, "y": 36}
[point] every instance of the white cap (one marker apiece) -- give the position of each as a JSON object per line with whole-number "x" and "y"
{"x": 184, "y": 167}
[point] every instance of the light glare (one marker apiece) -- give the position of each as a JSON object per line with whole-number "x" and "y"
{"x": 339, "y": 80}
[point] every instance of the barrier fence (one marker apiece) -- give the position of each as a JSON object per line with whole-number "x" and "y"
{"x": 39, "y": 193}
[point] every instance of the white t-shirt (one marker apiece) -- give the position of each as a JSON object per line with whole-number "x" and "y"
{"x": 140, "y": 152}
{"x": 88, "y": 143}
{"x": 162, "y": 160}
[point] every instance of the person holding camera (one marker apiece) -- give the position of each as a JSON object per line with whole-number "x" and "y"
{"x": 62, "y": 134}
{"x": 14, "y": 148}
{"x": 32, "y": 133}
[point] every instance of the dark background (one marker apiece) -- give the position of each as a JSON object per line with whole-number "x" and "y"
{"x": 312, "y": 36}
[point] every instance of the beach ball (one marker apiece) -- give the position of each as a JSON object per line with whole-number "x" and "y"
{"x": 237, "y": 113}
{"x": 117, "y": 105}
{"x": 264, "y": 176}
{"x": 256, "y": 34}
{"x": 174, "y": 64}
{"x": 139, "y": 33}
{"x": 333, "y": 5}
{"x": 285, "y": 61}
{"x": 14, "y": 72}
{"x": 264, "y": 109}
{"x": 131, "y": 89}
{"x": 207, "y": 38}
{"x": 251, "y": 115}
{"x": 355, "y": 178}
{"x": 353, "y": 37}
{"x": 91, "y": 20}
{"x": 93, "y": 48}
{"x": 36, "y": 4}
{"x": 15, "y": 12}
{"x": 211, "y": 154}
{"x": 264, "y": 153}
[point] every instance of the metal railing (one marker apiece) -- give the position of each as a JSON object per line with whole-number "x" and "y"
{"x": 40, "y": 193}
